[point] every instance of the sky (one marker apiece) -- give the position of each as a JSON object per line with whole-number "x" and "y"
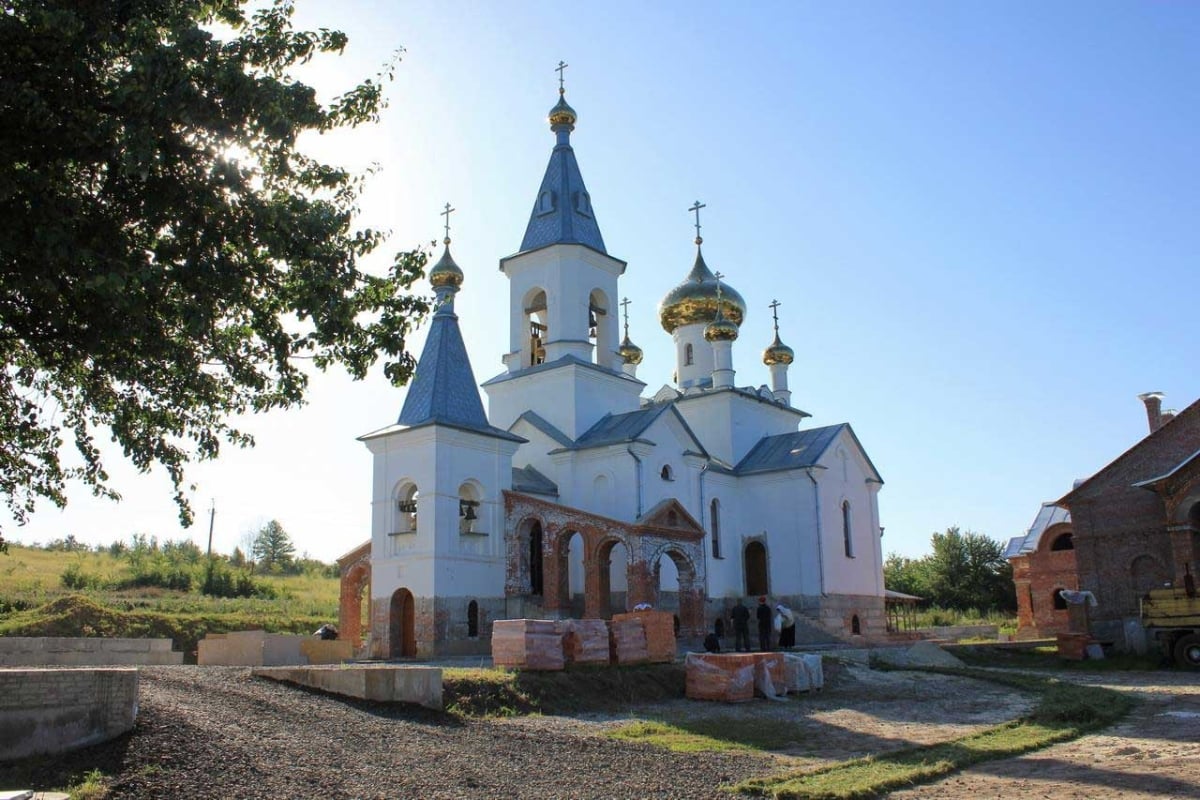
{"x": 980, "y": 220}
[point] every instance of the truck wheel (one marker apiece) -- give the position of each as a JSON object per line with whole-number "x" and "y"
{"x": 1187, "y": 651}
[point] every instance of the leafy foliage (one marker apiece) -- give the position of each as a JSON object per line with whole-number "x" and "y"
{"x": 152, "y": 284}
{"x": 964, "y": 571}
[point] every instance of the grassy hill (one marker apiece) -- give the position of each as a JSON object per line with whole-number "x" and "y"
{"x": 85, "y": 593}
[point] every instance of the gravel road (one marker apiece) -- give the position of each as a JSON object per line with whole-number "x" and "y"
{"x": 215, "y": 732}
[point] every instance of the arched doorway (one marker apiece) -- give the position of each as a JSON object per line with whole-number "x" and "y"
{"x": 755, "y": 560}
{"x": 402, "y": 638}
{"x": 575, "y": 573}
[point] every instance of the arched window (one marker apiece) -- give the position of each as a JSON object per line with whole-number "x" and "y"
{"x": 473, "y": 619}
{"x": 688, "y": 360}
{"x": 847, "y": 541}
{"x": 714, "y": 512}
{"x": 855, "y": 626}
{"x": 667, "y": 474}
{"x": 1060, "y": 604}
{"x": 1064, "y": 541}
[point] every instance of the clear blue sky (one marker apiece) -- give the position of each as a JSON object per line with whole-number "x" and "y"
{"x": 981, "y": 220}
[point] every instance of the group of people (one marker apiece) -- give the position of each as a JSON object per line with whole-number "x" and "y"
{"x": 780, "y": 619}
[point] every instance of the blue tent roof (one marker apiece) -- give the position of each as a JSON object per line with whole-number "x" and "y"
{"x": 562, "y": 212}
{"x": 443, "y": 389}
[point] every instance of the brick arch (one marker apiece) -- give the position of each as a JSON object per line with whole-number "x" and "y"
{"x": 603, "y": 560}
{"x": 355, "y": 576}
{"x": 691, "y": 585}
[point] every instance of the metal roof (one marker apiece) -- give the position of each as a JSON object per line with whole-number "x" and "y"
{"x": 528, "y": 480}
{"x": 1049, "y": 514}
{"x": 618, "y": 428}
{"x": 562, "y": 212}
{"x": 796, "y": 450}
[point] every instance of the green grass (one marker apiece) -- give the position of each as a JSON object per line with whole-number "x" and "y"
{"x": 1046, "y": 657}
{"x": 92, "y": 786}
{"x": 1064, "y": 712}
{"x": 683, "y": 740}
{"x": 499, "y": 692}
{"x": 77, "y": 615}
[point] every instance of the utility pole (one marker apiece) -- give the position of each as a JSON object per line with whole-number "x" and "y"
{"x": 212, "y": 516}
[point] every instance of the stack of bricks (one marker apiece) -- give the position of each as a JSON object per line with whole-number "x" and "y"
{"x": 535, "y": 644}
{"x": 726, "y": 679}
{"x": 1073, "y": 645}
{"x": 628, "y": 640}
{"x": 705, "y": 681}
{"x": 660, "y": 634}
{"x": 585, "y": 641}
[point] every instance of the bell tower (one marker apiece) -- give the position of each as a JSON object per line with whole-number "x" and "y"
{"x": 563, "y": 304}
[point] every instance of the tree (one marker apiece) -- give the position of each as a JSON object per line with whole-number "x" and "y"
{"x": 273, "y": 548}
{"x": 152, "y": 284}
{"x": 964, "y": 571}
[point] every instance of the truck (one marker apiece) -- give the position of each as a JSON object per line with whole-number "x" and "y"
{"x": 1172, "y": 617}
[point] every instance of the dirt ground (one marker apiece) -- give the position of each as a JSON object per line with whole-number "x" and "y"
{"x": 1153, "y": 753}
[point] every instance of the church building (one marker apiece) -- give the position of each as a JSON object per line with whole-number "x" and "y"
{"x": 577, "y": 493}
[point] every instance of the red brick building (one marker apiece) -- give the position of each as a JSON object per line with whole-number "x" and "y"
{"x": 1133, "y": 526}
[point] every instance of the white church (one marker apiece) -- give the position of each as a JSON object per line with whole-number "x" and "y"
{"x": 575, "y": 494}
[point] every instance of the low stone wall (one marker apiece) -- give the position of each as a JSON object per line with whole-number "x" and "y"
{"x": 36, "y": 651}
{"x": 262, "y": 649}
{"x": 50, "y": 711}
{"x": 955, "y": 632}
{"x": 386, "y": 683}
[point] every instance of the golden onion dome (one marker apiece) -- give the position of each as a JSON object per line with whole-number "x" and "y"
{"x": 778, "y": 353}
{"x": 721, "y": 329}
{"x": 446, "y": 273}
{"x": 629, "y": 352}
{"x": 695, "y": 300}
{"x": 562, "y": 114}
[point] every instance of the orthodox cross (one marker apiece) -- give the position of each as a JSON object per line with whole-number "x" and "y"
{"x": 696, "y": 208}
{"x": 774, "y": 306}
{"x": 625, "y": 309}
{"x": 559, "y": 69}
{"x": 446, "y": 214}
{"x": 718, "y": 276}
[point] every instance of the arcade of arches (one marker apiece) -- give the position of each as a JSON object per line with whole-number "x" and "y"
{"x": 539, "y": 536}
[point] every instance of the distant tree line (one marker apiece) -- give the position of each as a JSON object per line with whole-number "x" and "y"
{"x": 966, "y": 571}
{"x": 182, "y": 566}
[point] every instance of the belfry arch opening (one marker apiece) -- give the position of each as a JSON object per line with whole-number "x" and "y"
{"x": 537, "y": 328}
{"x": 601, "y": 328}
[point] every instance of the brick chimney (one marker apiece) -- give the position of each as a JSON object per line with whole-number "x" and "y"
{"x": 1153, "y": 402}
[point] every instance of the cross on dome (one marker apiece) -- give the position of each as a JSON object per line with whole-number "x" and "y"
{"x": 560, "y": 69}
{"x": 625, "y": 310}
{"x": 696, "y": 209}
{"x": 447, "y": 214}
{"x": 774, "y": 306}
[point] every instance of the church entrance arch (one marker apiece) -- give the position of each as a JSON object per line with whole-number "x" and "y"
{"x": 402, "y": 638}
{"x": 755, "y": 561}
{"x": 530, "y": 541}
{"x": 572, "y": 573}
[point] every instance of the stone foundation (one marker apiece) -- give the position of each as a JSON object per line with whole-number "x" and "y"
{"x": 51, "y": 711}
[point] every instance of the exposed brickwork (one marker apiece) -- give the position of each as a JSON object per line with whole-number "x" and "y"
{"x": 1129, "y": 539}
{"x": 55, "y": 710}
{"x": 1038, "y": 576}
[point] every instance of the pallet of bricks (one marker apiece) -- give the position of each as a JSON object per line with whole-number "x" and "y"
{"x": 643, "y": 636}
{"x": 527, "y": 643}
{"x": 585, "y": 641}
{"x": 731, "y": 678}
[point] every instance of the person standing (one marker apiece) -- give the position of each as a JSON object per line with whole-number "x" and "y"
{"x": 741, "y": 627}
{"x": 763, "y": 613}
{"x": 787, "y": 626}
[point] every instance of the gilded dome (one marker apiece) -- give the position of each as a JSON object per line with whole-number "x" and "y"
{"x": 695, "y": 300}
{"x": 720, "y": 329}
{"x": 778, "y": 353}
{"x": 562, "y": 114}
{"x": 446, "y": 272}
{"x": 629, "y": 352}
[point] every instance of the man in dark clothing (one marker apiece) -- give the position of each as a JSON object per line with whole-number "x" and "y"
{"x": 741, "y": 627}
{"x": 763, "y": 613}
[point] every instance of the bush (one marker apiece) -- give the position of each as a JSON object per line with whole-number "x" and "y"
{"x": 73, "y": 577}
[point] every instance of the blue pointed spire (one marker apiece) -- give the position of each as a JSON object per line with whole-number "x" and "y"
{"x": 562, "y": 212}
{"x": 443, "y": 388}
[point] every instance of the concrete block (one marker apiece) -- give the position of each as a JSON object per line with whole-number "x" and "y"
{"x": 385, "y": 683}
{"x": 55, "y": 711}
